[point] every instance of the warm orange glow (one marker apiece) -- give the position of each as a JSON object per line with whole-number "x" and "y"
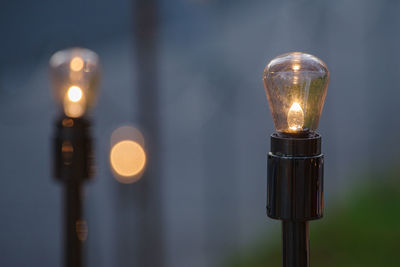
{"x": 74, "y": 102}
{"x": 74, "y": 110}
{"x": 128, "y": 159}
{"x": 295, "y": 117}
{"x": 67, "y": 147}
{"x": 296, "y": 67}
{"x": 67, "y": 151}
{"x": 75, "y": 93}
{"x": 68, "y": 122}
{"x": 81, "y": 230}
{"x": 76, "y": 64}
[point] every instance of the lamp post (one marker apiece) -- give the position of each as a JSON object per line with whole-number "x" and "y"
{"x": 296, "y": 86}
{"x": 75, "y": 76}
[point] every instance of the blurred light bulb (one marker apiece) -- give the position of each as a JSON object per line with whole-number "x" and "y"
{"x": 75, "y": 75}
{"x": 296, "y": 85}
{"x": 127, "y": 154}
{"x": 127, "y": 158}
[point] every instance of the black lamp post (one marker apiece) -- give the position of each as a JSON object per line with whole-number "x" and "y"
{"x": 75, "y": 75}
{"x": 296, "y": 86}
{"x": 72, "y": 166}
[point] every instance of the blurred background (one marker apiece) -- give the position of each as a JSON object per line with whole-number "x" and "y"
{"x": 208, "y": 129}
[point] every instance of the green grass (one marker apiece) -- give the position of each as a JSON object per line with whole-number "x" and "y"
{"x": 362, "y": 230}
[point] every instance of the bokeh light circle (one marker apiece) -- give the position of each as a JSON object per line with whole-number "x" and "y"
{"x": 127, "y": 158}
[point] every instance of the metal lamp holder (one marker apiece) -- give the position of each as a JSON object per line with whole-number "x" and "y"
{"x": 295, "y": 191}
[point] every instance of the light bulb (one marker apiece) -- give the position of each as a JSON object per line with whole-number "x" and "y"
{"x": 296, "y": 85}
{"x": 127, "y": 154}
{"x": 75, "y": 75}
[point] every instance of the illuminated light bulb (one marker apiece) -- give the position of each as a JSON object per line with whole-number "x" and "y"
{"x": 296, "y": 85}
{"x": 75, "y": 76}
{"x": 295, "y": 117}
{"x": 127, "y": 154}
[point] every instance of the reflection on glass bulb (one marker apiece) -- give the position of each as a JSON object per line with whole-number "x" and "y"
{"x": 295, "y": 117}
{"x": 76, "y": 64}
{"x": 296, "y": 85}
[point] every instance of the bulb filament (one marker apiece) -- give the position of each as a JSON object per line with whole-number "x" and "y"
{"x": 74, "y": 102}
{"x": 74, "y": 94}
{"x": 295, "y": 117}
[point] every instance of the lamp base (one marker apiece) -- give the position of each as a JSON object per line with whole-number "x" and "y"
{"x": 295, "y": 192}
{"x": 73, "y": 155}
{"x": 295, "y": 178}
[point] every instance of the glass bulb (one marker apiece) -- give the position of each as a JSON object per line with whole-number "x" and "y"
{"x": 296, "y": 85}
{"x": 75, "y": 76}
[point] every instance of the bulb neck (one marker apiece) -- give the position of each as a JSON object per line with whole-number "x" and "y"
{"x": 304, "y": 133}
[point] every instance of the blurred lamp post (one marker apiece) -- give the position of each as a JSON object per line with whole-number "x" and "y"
{"x": 75, "y": 75}
{"x": 296, "y": 86}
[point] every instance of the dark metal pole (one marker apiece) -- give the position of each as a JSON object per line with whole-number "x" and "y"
{"x": 73, "y": 219}
{"x": 295, "y": 244}
{"x": 72, "y": 166}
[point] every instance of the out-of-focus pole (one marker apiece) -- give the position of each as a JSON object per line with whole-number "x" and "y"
{"x": 73, "y": 165}
{"x": 148, "y": 189}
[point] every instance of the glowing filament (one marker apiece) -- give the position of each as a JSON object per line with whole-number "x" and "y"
{"x": 296, "y": 67}
{"x": 295, "y": 117}
{"x": 74, "y": 102}
{"x": 74, "y": 93}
